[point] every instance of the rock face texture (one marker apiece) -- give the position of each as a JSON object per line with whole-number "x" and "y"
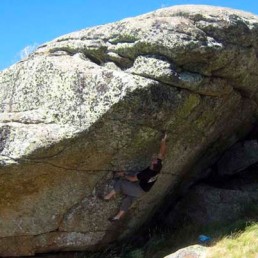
{"x": 87, "y": 102}
{"x": 194, "y": 251}
{"x": 205, "y": 205}
{"x": 238, "y": 158}
{"x": 222, "y": 198}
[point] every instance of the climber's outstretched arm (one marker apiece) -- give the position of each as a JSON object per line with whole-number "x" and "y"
{"x": 163, "y": 147}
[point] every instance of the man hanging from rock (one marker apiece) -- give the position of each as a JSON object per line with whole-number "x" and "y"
{"x": 134, "y": 186}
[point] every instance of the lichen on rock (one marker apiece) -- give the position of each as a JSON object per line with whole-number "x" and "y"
{"x": 86, "y": 102}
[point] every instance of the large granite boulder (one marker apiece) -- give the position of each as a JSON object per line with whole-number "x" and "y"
{"x": 222, "y": 198}
{"x": 207, "y": 205}
{"x": 239, "y": 157}
{"x": 193, "y": 251}
{"x": 87, "y": 102}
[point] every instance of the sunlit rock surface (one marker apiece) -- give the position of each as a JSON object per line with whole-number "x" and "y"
{"x": 87, "y": 102}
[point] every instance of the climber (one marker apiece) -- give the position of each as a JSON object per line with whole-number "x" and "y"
{"x": 134, "y": 186}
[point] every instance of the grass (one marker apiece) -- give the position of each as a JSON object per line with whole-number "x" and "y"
{"x": 238, "y": 239}
{"x": 238, "y": 245}
{"x": 235, "y": 240}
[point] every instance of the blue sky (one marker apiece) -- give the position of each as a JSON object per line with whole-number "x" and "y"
{"x": 28, "y": 23}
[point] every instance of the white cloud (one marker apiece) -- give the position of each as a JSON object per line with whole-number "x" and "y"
{"x": 24, "y": 53}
